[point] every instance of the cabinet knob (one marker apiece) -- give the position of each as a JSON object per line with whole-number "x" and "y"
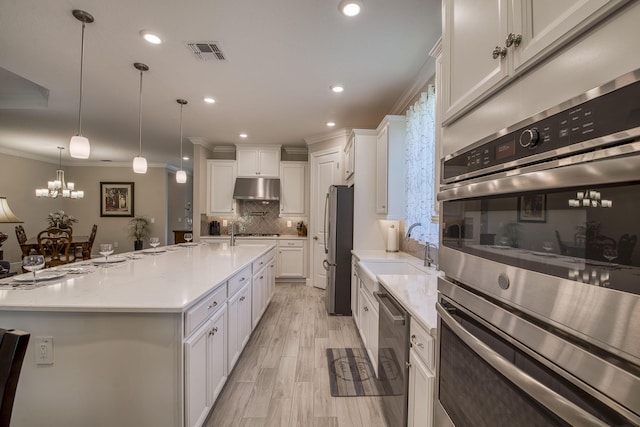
{"x": 366, "y": 309}
{"x": 415, "y": 342}
{"x": 499, "y": 52}
{"x": 513, "y": 39}
{"x": 213, "y": 331}
{"x": 384, "y": 207}
{"x": 408, "y": 364}
{"x": 212, "y": 305}
{"x": 242, "y": 298}
{"x": 242, "y": 279}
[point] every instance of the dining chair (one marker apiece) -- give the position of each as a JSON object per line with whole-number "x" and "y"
{"x": 84, "y": 251}
{"x": 626, "y": 244}
{"x": 21, "y": 235}
{"x": 54, "y": 244}
{"x": 13, "y": 347}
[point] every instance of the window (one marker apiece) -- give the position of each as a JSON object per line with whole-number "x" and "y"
{"x": 421, "y": 167}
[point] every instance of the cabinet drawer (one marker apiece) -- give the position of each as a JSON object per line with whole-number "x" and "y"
{"x": 423, "y": 344}
{"x": 270, "y": 255}
{"x": 205, "y": 308}
{"x": 259, "y": 263}
{"x": 239, "y": 280}
{"x": 291, "y": 243}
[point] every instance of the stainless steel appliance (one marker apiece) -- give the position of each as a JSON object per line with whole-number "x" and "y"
{"x": 338, "y": 242}
{"x": 540, "y": 305}
{"x": 393, "y": 357}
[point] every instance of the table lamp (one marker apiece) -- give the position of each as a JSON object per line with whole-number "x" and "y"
{"x": 6, "y": 217}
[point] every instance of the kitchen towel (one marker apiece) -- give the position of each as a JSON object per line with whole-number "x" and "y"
{"x": 392, "y": 238}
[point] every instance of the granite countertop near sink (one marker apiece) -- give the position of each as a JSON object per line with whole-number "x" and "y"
{"x": 262, "y": 237}
{"x": 418, "y": 293}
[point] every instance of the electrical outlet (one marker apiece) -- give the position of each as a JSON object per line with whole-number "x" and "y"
{"x": 289, "y": 224}
{"x": 180, "y": 219}
{"x": 44, "y": 350}
{"x": 153, "y": 220}
{"x": 224, "y": 223}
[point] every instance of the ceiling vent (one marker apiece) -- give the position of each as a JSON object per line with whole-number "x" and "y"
{"x": 207, "y": 51}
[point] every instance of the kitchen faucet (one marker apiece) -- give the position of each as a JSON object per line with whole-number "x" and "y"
{"x": 428, "y": 260}
{"x": 411, "y": 227}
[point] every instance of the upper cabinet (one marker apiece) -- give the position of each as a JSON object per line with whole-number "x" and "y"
{"x": 486, "y": 44}
{"x": 349, "y": 159}
{"x": 293, "y": 179}
{"x": 390, "y": 168}
{"x": 258, "y": 161}
{"x": 221, "y": 179}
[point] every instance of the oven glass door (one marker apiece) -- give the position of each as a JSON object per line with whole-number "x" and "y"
{"x": 584, "y": 234}
{"x": 476, "y": 393}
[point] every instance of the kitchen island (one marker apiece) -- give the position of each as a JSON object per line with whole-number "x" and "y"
{"x": 125, "y": 340}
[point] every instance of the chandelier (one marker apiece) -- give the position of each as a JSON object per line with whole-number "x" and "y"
{"x": 589, "y": 198}
{"x": 58, "y": 187}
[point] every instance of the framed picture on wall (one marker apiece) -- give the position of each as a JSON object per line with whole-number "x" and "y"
{"x": 116, "y": 199}
{"x": 532, "y": 208}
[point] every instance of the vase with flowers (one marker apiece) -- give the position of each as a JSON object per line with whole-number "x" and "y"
{"x": 60, "y": 219}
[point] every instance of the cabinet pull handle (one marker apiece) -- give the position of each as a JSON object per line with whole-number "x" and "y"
{"x": 499, "y": 52}
{"x": 242, "y": 298}
{"x": 262, "y": 277}
{"x": 513, "y": 39}
{"x": 243, "y": 279}
{"x": 212, "y": 305}
{"x": 366, "y": 308}
{"x": 408, "y": 364}
{"x": 213, "y": 331}
{"x": 415, "y": 342}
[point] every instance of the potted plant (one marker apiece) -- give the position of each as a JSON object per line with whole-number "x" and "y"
{"x": 60, "y": 219}
{"x": 139, "y": 230}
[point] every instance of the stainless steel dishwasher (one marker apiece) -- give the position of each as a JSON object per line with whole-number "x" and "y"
{"x": 393, "y": 357}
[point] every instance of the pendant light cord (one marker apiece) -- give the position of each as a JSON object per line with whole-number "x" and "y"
{"x": 181, "y": 105}
{"x": 140, "y": 116}
{"x": 81, "y": 74}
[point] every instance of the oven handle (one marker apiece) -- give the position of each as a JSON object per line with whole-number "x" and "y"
{"x": 560, "y": 406}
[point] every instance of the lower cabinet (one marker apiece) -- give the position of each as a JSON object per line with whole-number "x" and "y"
{"x": 368, "y": 325}
{"x": 240, "y": 325}
{"x": 421, "y": 378}
{"x": 206, "y": 367}
{"x": 291, "y": 258}
{"x": 355, "y": 282}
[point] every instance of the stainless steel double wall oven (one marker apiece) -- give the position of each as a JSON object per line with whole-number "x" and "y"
{"x": 539, "y": 309}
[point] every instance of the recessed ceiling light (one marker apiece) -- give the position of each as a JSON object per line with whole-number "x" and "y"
{"x": 337, "y": 88}
{"x": 350, "y": 7}
{"x": 243, "y": 135}
{"x": 185, "y": 158}
{"x": 209, "y": 100}
{"x": 331, "y": 124}
{"x": 150, "y": 37}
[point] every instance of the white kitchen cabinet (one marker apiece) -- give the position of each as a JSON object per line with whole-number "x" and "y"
{"x": 421, "y": 392}
{"x": 503, "y": 39}
{"x": 354, "y": 290}
{"x": 349, "y": 159}
{"x": 239, "y": 323}
{"x": 271, "y": 275}
{"x": 369, "y": 316}
{"x": 390, "y": 168}
{"x": 293, "y": 184}
{"x": 291, "y": 256}
{"x": 206, "y": 367}
{"x": 221, "y": 179}
{"x": 258, "y": 161}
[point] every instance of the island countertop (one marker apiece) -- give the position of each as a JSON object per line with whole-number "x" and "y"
{"x": 167, "y": 282}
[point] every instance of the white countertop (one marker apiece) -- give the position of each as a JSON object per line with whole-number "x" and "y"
{"x": 168, "y": 282}
{"x": 280, "y": 237}
{"x": 418, "y": 293}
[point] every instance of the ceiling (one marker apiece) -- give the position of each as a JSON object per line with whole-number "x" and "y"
{"x": 282, "y": 57}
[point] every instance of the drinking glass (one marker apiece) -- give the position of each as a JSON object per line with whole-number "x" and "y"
{"x": 33, "y": 263}
{"x": 547, "y": 246}
{"x": 106, "y": 249}
{"x": 188, "y": 237}
{"x": 610, "y": 254}
{"x": 154, "y": 242}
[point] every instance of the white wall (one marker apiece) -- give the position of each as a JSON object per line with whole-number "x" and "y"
{"x": 602, "y": 54}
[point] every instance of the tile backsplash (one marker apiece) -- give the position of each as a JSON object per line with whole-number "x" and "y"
{"x": 255, "y": 217}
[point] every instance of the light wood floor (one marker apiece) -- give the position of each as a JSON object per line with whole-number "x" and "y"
{"x": 281, "y": 378}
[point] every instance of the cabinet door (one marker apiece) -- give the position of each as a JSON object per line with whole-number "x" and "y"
{"x": 217, "y": 354}
{"x": 244, "y": 316}
{"x": 233, "y": 331}
{"x": 197, "y": 403}
{"x": 221, "y": 178}
{"x": 363, "y": 316}
{"x": 269, "y": 162}
{"x": 547, "y": 24}
{"x": 291, "y": 262}
{"x": 349, "y": 159}
{"x": 472, "y": 29}
{"x": 247, "y": 162}
{"x": 271, "y": 278}
{"x": 421, "y": 389}
{"x": 354, "y": 291}
{"x": 257, "y": 297}
{"x": 292, "y": 186}
{"x": 373, "y": 321}
{"x": 382, "y": 147}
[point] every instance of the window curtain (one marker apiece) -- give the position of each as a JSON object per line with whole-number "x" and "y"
{"x": 420, "y": 165}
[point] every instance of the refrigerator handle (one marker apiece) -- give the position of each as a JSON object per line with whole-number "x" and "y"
{"x": 326, "y": 223}
{"x": 327, "y": 265}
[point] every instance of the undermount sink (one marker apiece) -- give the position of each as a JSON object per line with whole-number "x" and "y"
{"x": 378, "y": 268}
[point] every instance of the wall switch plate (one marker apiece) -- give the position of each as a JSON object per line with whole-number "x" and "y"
{"x": 44, "y": 350}
{"x": 115, "y": 244}
{"x": 224, "y": 223}
{"x": 289, "y": 224}
{"x": 180, "y": 219}
{"x": 153, "y": 220}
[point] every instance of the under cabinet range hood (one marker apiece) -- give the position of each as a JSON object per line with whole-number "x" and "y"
{"x": 257, "y": 189}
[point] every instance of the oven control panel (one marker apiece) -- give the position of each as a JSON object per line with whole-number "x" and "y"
{"x": 613, "y": 112}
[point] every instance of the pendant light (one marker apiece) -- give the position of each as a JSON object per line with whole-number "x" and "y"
{"x": 139, "y": 162}
{"x": 181, "y": 176}
{"x": 79, "y": 147}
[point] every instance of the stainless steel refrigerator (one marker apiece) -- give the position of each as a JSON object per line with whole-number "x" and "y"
{"x": 338, "y": 242}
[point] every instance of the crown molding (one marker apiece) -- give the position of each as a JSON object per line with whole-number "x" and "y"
{"x": 327, "y": 136}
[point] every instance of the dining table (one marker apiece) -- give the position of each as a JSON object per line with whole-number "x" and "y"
{"x": 76, "y": 242}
